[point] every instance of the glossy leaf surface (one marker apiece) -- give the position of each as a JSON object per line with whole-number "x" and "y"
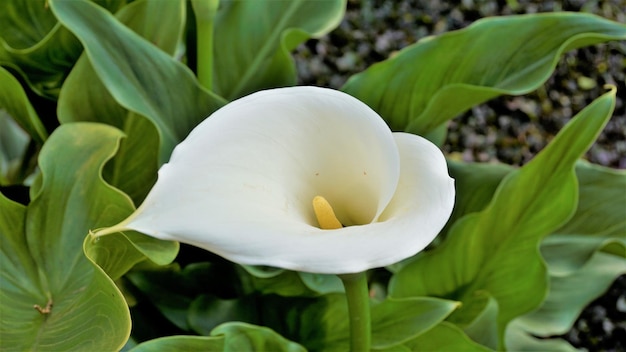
{"x": 437, "y": 78}
{"x": 482, "y": 249}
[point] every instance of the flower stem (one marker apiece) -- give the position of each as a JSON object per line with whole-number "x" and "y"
{"x": 205, "y": 11}
{"x": 359, "y": 310}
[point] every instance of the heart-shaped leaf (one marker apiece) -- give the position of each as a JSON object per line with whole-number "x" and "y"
{"x": 77, "y": 307}
{"x": 598, "y": 222}
{"x": 482, "y": 248}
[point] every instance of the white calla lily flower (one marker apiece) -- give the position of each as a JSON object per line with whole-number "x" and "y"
{"x": 242, "y": 185}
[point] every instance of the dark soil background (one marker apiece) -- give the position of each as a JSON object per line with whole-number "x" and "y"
{"x": 507, "y": 129}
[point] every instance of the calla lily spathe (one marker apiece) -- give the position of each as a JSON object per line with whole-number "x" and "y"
{"x": 242, "y": 183}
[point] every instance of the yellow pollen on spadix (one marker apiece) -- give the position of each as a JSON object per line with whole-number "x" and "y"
{"x": 325, "y": 214}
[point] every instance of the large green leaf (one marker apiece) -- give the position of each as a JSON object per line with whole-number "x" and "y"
{"x": 483, "y": 250}
{"x": 134, "y": 168}
{"x": 139, "y": 76}
{"x": 42, "y": 259}
{"x": 261, "y": 59}
{"x": 437, "y": 78}
{"x": 599, "y": 221}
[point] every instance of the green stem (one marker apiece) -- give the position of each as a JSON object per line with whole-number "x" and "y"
{"x": 359, "y": 310}
{"x": 205, "y": 11}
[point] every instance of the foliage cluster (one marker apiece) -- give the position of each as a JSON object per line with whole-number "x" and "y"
{"x": 94, "y": 95}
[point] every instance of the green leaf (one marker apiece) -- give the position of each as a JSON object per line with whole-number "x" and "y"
{"x": 261, "y": 57}
{"x": 283, "y": 282}
{"x": 475, "y": 185}
{"x": 436, "y": 79}
{"x": 241, "y": 337}
{"x": 270, "y": 280}
{"x": 445, "y": 337}
{"x": 599, "y": 212}
{"x": 138, "y": 75}
{"x": 162, "y": 23}
{"x": 323, "y": 326}
{"x": 517, "y": 339}
{"x": 14, "y": 101}
{"x": 42, "y": 259}
{"x": 483, "y": 250}
{"x": 480, "y": 319}
{"x": 598, "y": 224}
{"x": 395, "y": 321}
{"x": 182, "y": 343}
{"x": 134, "y": 168}
{"x": 322, "y": 283}
{"x": 570, "y": 294}
{"x": 118, "y": 253}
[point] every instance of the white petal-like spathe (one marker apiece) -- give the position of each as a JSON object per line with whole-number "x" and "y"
{"x": 242, "y": 183}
